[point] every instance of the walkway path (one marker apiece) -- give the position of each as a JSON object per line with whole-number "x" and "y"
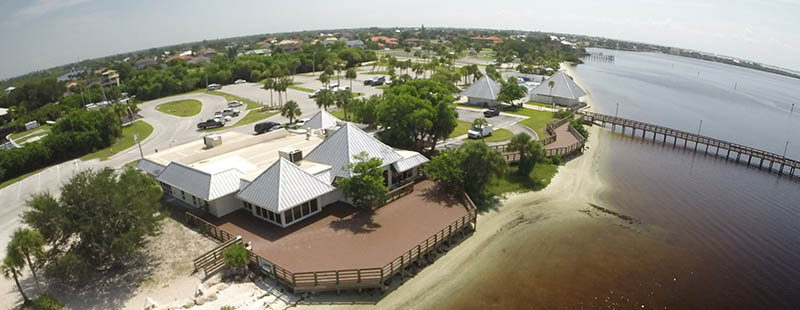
{"x": 564, "y": 138}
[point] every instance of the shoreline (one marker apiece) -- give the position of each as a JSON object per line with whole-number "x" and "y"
{"x": 559, "y": 208}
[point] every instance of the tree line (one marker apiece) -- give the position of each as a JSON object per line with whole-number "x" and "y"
{"x": 78, "y": 133}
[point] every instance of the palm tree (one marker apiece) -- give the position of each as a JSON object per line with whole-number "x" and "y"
{"x": 344, "y": 99}
{"x": 269, "y": 84}
{"x": 324, "y": 99}
{"x": 285, "y": 82}
{"x": 351, "y": 75}
{"x": 552, "y": 84}
{"x": 27, "y": 243}
{"x": 12, "y": 269}
{"x": 479, "y": 123}
{"x": 290, "y": 110}
{"x": 530, "y": 151}
{"x": 324, "y": 78}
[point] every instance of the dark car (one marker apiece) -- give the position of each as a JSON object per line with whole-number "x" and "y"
{"x": 210, "y": 124}
{"x": 376, "y": 81}
{"x": 266, "y": 126}
{"x": 491, "y": 112}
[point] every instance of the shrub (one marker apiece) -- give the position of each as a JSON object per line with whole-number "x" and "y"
{"x": 45, "y": 302}
{"x": 555, "y": 160}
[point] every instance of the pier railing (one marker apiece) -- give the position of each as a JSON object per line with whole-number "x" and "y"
{"x": 777, "y": 163}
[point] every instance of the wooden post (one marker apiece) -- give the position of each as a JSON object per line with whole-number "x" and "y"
{"x": 728, "y": 155}
{"x": 665, "y": 138}
{"x": 315, "y": 277}
{"x": 359, "y": 275}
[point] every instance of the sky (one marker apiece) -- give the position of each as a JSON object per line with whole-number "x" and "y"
{"x": 39, "y": 34}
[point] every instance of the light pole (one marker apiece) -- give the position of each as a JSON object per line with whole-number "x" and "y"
{"x": 785, "y": 148}
{"x": 700, "y": 127}
{"x": 613, "y": 124}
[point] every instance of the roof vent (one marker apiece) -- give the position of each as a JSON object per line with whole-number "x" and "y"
{"x": 292, "y": 155}
{"x": 212, "y": 141}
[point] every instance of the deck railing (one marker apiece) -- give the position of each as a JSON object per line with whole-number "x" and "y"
{"x": 362, "y": 277}
{"x": 208, "y": 228}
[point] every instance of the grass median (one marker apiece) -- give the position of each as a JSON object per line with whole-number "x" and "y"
{"x": 181, "y": 108}
{"x": 499, "y": 135}
{"x": 461, "y": 129}
{"x": 140, "y": 127}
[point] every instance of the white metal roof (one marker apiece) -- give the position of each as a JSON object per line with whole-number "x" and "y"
{"x": 322, "y": 119}
{"x": 484, "y": 88}
{"x": 339, "y": 149}
{"x": 564, "y": 87}
{"x": 282, "y": 186}
{"x": 410, "y": 160}
{"x": 150, "y": 167}
{"x": 201, "y": 184}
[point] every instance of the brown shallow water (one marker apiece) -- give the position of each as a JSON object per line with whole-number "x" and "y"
{"x": 709, "y": 234}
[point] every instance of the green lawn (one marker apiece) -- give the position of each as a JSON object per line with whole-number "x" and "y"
{"x": 181, "y": 108}
{"x": 461, "y": 129}
{"x": 538, "y": 179}
{"x": 140, "y": 127}
{"x": 295, "y": 87}
{"x": 23, "y": 136}
{"x": 499, "y": 135}
{"x": 250, "y": 103}
{"x": 545, "y": 105}
{"x": 537, "y": 120}
{"x": 251, "y": 117}
{"x": 385, "y": 86}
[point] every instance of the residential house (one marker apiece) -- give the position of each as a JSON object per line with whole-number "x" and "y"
{"x": 289, "y": 46}
{"x": 10, "y": 89}
{"x": 145, "y": 62}
{"x": 199, "y": 60}
{"x": 208, "y": 52}
{"x": 493, "y": 39}
{"x": 381, "y": 40}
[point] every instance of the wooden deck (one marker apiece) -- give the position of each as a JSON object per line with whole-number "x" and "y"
{"x": 343, "y": 247}
{"x": 766, "y": 160}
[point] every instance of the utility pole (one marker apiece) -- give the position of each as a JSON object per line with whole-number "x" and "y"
{"x": 614, "y": 125}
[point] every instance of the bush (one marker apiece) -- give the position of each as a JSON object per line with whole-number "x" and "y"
{"x": 45, "y": 302}
{"x": 556, "y": 160}
{"x": 235, "y": 257}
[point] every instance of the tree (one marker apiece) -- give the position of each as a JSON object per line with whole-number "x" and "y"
{"x": 235, "y": 257}
{"x": 552, "y": 84}
{"x": 351, "y": 75}
{"x": 480, "y": 122}
{"x": 530, "y": 152}
{"x": 365, "y": 186}
{"x": 12, "y": 269}
{"x": 324, "y": 78}
{"x": 491, "y": 72}
{"x": 269, "y": 84}
{"x": 290, "y": 110}
{"x": 511, "y": 91}
{"x": 416, "y": 114}
{"x": 343, "y": 99}
{"x": 99, "y": 222}
{"x": 325, "y": 98}
{"x": 365, "y": 109}
{"x": 468, "y": 168}
{"x": 28, "y": 244}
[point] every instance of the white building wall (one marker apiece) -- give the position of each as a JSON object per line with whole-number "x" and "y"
{"x": 480, "y": 102}
{"x": 559, "y": 101}
{"x": 224, "y": 205}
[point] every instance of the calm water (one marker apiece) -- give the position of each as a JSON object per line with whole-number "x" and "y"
{"x": 735, "y": 104}
{"x": 710, "y": 234}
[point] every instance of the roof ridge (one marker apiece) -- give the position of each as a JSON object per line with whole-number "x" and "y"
{"x": 187, "y": 167}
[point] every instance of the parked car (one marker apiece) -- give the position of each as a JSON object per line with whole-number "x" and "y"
{"x": 218, "y": 114}
{"x": 213, "y": 87}
{"x": 301, "y": 122}
{"x": 212, "y": 123}
{"x": 338, "y": 89}
{"x": 266, "y": 126}
{"x": 239, "y": 81}
{"x": 480, "y": 132}
{"x": 376, "y": 81}
{"x": 491, "y": 112}
{"x": 235, "y": 104}
{"x": 230, "y": 112}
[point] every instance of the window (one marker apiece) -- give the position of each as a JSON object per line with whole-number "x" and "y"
{"x": 314, "y": 206}
{"x": 167, "y": 188}
{"x": 194, "y": 200}
{"x": 271, "y": 215}
{"x": 259, "y": 211}
{"x": 297, "y": 212}
{"x": 289, "y": 216}
{"x": 183, "y": 195}
{"x": 247, "y": 205}
{"x": 306, "y": 207}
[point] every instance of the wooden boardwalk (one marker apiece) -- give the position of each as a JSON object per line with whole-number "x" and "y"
{"x": 741, "y": 153}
